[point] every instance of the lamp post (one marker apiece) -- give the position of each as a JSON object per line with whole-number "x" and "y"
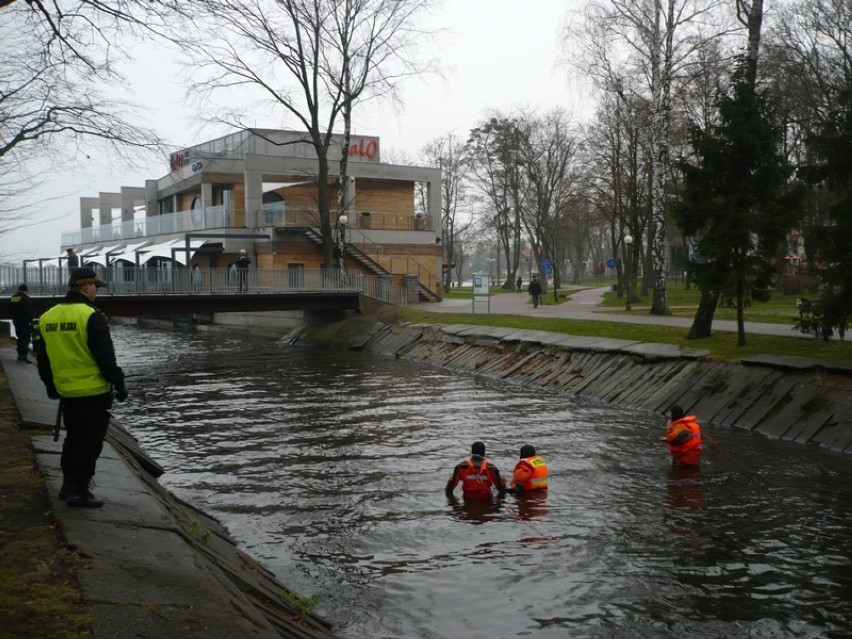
{"x": 628, "y": 243}
{"x": 342, "y": 221}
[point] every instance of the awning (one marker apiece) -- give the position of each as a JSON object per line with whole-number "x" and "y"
{"x": 129, "y": 253}
{"x": 164, "y": 251}
{"x": 104, "y": 256}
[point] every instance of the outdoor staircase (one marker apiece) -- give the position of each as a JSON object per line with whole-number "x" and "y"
{"x": 367, "y": 264}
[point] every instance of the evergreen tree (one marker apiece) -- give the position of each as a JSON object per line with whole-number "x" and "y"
{"x": 737, "y": 202}
{"x": 829, "y": 246}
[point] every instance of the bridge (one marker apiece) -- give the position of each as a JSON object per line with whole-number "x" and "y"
{"x": 143, "y": 292}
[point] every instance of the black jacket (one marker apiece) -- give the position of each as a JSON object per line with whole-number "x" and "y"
{"x": 22, "y": 308}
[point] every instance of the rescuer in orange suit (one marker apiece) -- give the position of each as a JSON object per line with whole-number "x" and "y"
{"x": 683, "y": 435}
{"x": 530, "y": 472}
{"x": 477, "y": 475}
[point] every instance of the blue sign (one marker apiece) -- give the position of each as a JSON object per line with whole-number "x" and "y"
{"x": 610, "y": 263}
{"x": 546, "y": 266}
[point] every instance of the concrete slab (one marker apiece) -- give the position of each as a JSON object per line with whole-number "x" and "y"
{"x": 658, "y": 352}
{"x": 33, "y": 404}
{"x": 788, "y": 362}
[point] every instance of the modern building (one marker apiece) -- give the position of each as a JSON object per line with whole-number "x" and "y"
{"x": 257, "y": 190}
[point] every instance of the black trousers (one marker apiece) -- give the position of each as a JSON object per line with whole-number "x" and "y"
{"x": 86, "y": 422}
{"x": 24, "y": 331}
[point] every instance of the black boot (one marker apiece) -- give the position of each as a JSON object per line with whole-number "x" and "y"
{"x": 64, "y": 490}
{"x": 79, "y": 496}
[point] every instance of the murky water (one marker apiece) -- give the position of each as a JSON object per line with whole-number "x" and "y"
{"x": 329, "y": 467}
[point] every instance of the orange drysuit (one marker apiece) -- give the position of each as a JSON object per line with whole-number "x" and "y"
{"x": 684, "y": 439}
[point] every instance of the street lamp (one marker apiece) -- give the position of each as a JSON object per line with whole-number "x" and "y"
{"x": 342, "y": 221}
{"x": 628, "y": 242}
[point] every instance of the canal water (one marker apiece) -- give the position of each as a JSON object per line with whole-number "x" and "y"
{"x": 329, "y": 467}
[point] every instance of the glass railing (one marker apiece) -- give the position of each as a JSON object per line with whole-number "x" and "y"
{"x": 276, "y": 214}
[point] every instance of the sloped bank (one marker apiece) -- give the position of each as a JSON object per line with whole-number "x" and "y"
{"x": 791, "y": 398}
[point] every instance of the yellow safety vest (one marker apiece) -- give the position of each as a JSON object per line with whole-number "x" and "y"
{"x": 64, "y": 332}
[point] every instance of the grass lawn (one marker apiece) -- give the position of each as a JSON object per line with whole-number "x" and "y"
{"x": 683, "y": 303}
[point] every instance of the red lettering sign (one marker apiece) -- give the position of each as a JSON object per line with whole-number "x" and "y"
{"x": 360, "y": 149}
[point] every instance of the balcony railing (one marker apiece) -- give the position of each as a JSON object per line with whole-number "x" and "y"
{"x": 276, "y": 214}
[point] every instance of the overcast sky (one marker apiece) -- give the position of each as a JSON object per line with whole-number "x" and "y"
{"x": 499, "y": 54}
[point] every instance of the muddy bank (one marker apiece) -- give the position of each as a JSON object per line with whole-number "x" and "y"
{"x": 791, "y": 398}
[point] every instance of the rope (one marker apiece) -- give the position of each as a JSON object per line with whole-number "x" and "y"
{"x": 734, "y": 460}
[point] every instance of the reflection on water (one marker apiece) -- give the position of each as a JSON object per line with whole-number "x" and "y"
{"x": 330, "y": 468}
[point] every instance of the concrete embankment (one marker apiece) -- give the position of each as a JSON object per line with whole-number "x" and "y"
{"x": 157, "y": 566}
{"x": 791, "y": 398}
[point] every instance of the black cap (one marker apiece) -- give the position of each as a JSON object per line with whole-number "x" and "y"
{"x": 527, "y": 451}
{"x": 478, "y": 448}
{"x": 82, "y": 276}
{"x": 677, "y": 412}
{"x": 23, "y": 287}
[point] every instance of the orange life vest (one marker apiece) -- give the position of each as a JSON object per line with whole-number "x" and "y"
{"x": 686, "y": 432}
{"x": 476, "y": 482}
{"x": 531, "y": 473}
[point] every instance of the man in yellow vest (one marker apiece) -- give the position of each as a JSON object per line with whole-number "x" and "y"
{"x": 76, "y": 362}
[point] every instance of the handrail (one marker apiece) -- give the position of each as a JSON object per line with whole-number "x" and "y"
{"x": 165, "y": 280}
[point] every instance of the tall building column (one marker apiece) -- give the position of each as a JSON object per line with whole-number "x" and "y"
{"x": 253, "y": 177}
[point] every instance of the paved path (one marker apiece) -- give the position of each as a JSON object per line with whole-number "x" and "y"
{"x": 587, "y": 304}
{"x": 156, "y": 567}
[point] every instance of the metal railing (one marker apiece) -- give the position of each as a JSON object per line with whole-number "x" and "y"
{"x": 275, "y": 214}
{"x": 165, "y": 280}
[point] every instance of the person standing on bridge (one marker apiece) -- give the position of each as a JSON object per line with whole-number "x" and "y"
{"x": 76, "y": 363}
{"x": 22, "y": 318}
{"x": 242, "y": 265}
{"x": 534, "y": 289}
{"x": 73, "y": 259}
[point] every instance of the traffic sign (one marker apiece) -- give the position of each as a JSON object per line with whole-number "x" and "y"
{"x": 546, "y": 266}
{"x": 610, "y": 263}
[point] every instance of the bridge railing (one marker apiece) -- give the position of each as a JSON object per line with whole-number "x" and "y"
{"x": 169, "y": 281}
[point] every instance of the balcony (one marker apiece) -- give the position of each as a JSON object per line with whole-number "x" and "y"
{"x": 276, "y": 214}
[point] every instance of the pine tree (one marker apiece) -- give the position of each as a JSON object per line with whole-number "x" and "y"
{"x": 830, "y": 247}
{"x": 737, "y": 201}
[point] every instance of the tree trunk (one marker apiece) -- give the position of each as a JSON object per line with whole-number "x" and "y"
{"x": 702, "y": 325}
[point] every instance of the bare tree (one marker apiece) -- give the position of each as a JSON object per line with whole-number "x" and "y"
{"x": 652, "y": 40}
{"x": 497, "y": 171}
{"x": 372, "y": 47}
{"x": 310, "y": 60}
{"x": 548, "y": 161}
{"x": 58, "y": 61}
{"x": 449, "y": 154}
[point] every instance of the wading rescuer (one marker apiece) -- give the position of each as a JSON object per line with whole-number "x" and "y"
{"x": 76, "y": 362}
{"x": 477, "y": 475}
{"x": 530, "y": 474}
{"x": 683, "y": 435}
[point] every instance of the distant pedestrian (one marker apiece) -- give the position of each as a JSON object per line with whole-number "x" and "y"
{"x": 242, "y": 265}
{"x": 519, "y": 283}
{"x": 73, "y": 259}
{"x": 22, "y": 318}
{"x": 534, "y": 289}
{"x": 683, "y": 435}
